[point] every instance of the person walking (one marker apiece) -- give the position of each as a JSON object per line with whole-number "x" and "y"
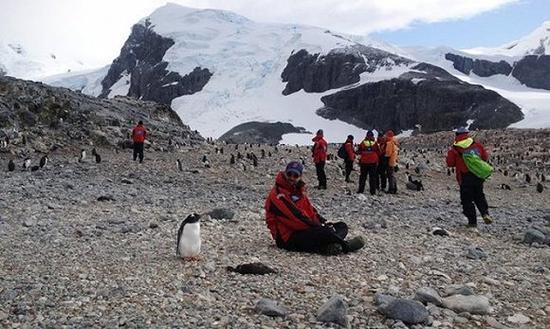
{"x": 391, "y": 152}
{"x": 350, "y": 157}
{"x": 471, "y": 186}
{"x": 369, "y": 156}
{"x": 319, "y": 152}
{"x": 139, "y": 134}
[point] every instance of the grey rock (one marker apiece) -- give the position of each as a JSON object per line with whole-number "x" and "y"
{"x": 28, "y": 223}
{"x": 534, "y": 236}
{"x": 408, "y": 311}
{"x": 480, "y": 67}
{"x": 270, "y": 308}
{"x": 533, "y": 71}
{"x": 427, "y": 295}
{"x": 335, "y": 310}
{"x": 383, "y": 300}
{"x": 472, "y": 304}
{"x": 221, "y": 213}
{"x": 476, "y": 253}
{"x": 259, "y": 132}
{"x": 458, "y": 290}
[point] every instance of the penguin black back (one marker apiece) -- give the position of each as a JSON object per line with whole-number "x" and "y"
{"x": 193, "y": 218}
{"x": 97, "y": 158}
{"x": 11, "y": 165}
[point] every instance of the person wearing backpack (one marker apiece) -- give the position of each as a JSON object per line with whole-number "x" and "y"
{"x": 347, "y": 153}
{"x": 369, "y": 156}
{"x": 319, "y": 153}
{"x": 471, "y": 186}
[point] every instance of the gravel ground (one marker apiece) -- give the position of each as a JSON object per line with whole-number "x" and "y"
{"x": 68, "y": 260}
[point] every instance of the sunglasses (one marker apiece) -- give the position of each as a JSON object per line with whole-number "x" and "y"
{"x": 292, "y": 174}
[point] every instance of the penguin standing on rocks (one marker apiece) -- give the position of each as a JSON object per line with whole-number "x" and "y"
{"x": 82, "y": 155}
{"x": 44, "y": 161}
{"x": 412, "y": 184}
{"x": 11, "y": 165}
{"x": 97, "y": 158}
{"x": 27, "y": 163}
{"x": 232, "y": 160}
{"x": 188, "y": 244}
{"x": 180, "y": 166}
{"x": 205, "y": 161}
{"x": 528, "y": 178}
{"x": 540, "y": 187}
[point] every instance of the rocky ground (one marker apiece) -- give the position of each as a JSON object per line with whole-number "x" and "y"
{"x": 69, "y": 260}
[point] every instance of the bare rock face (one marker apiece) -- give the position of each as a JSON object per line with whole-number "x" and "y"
{"x": 436, "y": 104}
{"x": 259, "y": 132}
{"x": 533, "y": 71}
{"x": 480, "y": 67}
{"x": 141, "y": 59}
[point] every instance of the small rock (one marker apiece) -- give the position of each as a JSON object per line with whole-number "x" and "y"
{"x": 221, "y": 213}
{"x": 408, "y": 311}
{"x": 334, "y": 311}
{"x": 518, "y": 318}
{"x": 105, "y": 198}
{"x": 472, "y": 304}
{"x": 533, "y": 236}
{"x": 28, "y": 223}
{"x": 153, "y": 225}
{"x": 458, "y": 290}
{"x": 476, "y": 253}
{"x": 427, "y": 295}
{"x": 126, "y": 181}
{"x": 270, "y": 308}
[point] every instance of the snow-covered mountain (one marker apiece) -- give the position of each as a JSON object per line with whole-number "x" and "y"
{"x": 536, "y": 43}
{"x": 20, "y": 62}
{"x": 219, "y": 70}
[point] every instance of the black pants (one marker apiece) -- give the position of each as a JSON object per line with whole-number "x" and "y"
{"x": 349, "y": 168}
{"x": 321, "y": 176}
{"x": 392, "y": 181}
{"x": 368, "y": 170}
{"x": 382, "y": 173}
{"x": 471, "y": 195}
{"x": 138, "y": 150}
{"x": 316, "y": 239}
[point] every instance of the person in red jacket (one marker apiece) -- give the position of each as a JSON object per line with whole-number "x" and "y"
{"x": 369, "y": 153}
{"x": 471, "y": 186}
{"x": 139, "y": 134}
{"x": 319, "y": 151}
{"x": 295, "y": 224}
{"x": 350, "y": 156}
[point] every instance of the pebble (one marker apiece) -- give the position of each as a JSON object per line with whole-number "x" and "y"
{"x": 335, "y": 310}
{"x": 518, "y": 318}
{"x": 471, "y": 304}
{"x": 271, "y": 308}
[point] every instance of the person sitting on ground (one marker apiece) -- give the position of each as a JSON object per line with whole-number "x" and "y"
{"x": 295, "y": 224}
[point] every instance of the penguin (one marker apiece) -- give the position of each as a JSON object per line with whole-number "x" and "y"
{"x": 439, "y": 231}
{"x": 97, "y": 157}
{"x": 44, "y": 161}
{"x": 82, "y": 155}
{"x": 188, "y": 245}
{"x": 540, "y": 187}
{"x": 180, "y": 166}
{"x": 448, "y": 172}
{"x": 221, "y": 150}
{"x": 232, "y": 160}
{"x": 11, "y": 165}
{"x": 505, "y": 187}
{"x": 27, "y": 163}
{"x": 94, "y": 151}
{"x": 35, "y": 168}
{"x": 415, "y": 185}
{"x": 542, "y": 178}
{"x": 528, "y": 178}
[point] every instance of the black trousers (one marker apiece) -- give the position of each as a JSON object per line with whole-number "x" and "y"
{"x": 321, "y": 176}
{"x": 316, "y": 239}
{"x": 138, "y": 151}
{"x": 382, "y": 173}
{"x": 368, "y": 170}
{"x": 392, "y": 181}
{"x": 471, "y": 195}
{"x": 349, "y": 168}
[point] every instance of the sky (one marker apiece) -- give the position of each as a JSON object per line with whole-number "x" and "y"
{"x": 93, "y": 31}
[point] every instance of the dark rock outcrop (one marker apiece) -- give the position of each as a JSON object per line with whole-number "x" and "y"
{"x": 259, "y": 132}
{"x": 436, "y": 104}
{"x": 533, "y": 71}
{"x": 480, "y": 67}
{"x": 34, "y": 113}
{"x": 141, "y": 58}
{"x": 340, "y": 67}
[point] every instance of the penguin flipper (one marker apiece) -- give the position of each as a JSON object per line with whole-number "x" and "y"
{"x": 180, "y": 232}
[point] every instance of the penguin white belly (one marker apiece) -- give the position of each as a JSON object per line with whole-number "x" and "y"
{"x": 190, "y": 241}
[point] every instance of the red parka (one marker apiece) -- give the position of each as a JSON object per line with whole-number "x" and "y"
{"x": 462, "y": 143}
{"x": 369, "y": 152}
{"x": 288, "y": 209}
{"x": 319, "y": 149}
{"x": 348, "y": 146}
{"x": 139, "y": 134}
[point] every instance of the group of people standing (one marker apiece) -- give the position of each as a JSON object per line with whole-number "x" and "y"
{"x": 377, "y": 159}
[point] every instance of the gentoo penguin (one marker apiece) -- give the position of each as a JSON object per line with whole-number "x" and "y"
{"x": 540, "y": 187}
{"x": 412, "y": 184}
{"x": 11, "y": 165}
{"x": 232, "y": 160}
{"x": 180, "y": 166}
{"x": 97, "y": 157}
{"x": 27, "y": 163}
{"x": 43, "y": 161}
{"x": 188, "y": 244}
{"x": 35, "y": 168}
{"x": 527, "y": 178}
{"x": 82, "y": 155}
{"x": 94, "y": 151}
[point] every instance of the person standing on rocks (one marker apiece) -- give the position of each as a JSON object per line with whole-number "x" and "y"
{"x": 350, "y": 156}
{"x": 139, "y": 133}
{"x": 391, "y": 152}
{"x": 319, "y": 151}
{"x": 369, "y": 155}
{"x": 471, "y": 186}
{"x": 295, "y": 224}
{"x": 382, "y": 170}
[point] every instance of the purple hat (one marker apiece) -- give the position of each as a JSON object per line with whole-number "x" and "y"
{"x": 295, "y": 167}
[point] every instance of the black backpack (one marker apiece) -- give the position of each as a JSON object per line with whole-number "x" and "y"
{"x": 342, "y": 152}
